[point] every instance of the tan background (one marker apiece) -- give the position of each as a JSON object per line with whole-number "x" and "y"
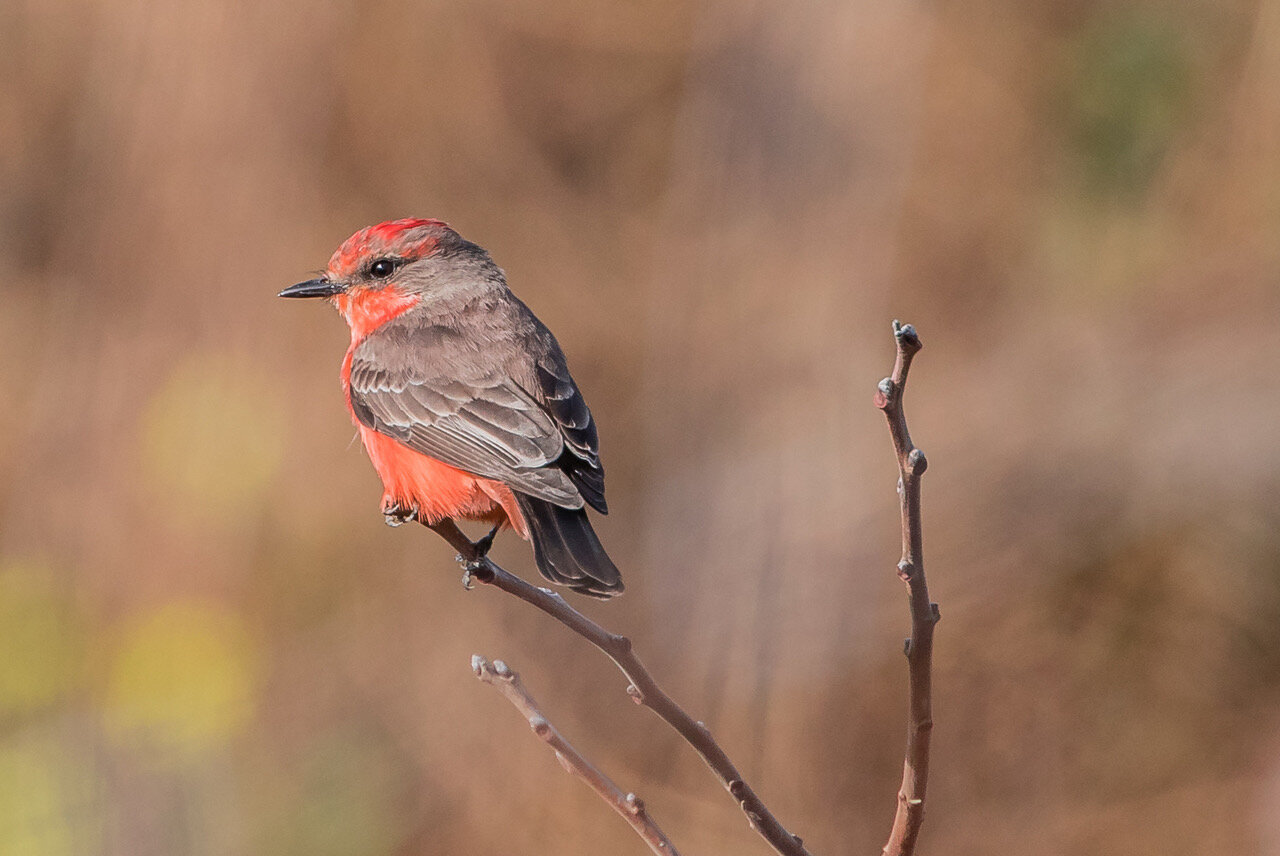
{"x": 210, "y": 644}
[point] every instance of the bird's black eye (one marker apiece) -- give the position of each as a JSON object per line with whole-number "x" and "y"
{"x": 382, "y": 268}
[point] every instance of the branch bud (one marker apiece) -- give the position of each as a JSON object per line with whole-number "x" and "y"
{"x": 884, "y": 393}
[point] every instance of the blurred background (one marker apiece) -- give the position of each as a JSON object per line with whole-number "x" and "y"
{"x": 211, "y": 644}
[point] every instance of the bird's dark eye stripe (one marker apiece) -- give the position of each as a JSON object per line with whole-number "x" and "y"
{"x": 382, "y": 268}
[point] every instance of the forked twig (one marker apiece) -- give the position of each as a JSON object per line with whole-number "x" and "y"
{"x": 631, "y": 807}
{"x": 924, "y": 613}
{"x": 643, "y": 689}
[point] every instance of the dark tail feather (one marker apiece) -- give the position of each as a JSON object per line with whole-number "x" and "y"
{"x": 567, "y": 550}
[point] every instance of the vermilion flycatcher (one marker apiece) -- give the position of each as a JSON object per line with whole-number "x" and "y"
{"x": 463, "y": 398}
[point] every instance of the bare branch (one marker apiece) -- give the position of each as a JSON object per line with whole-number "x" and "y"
{"x": 631, "y": 807}
{"x": 643, "y": 689}
{"x": 924, "y": 613}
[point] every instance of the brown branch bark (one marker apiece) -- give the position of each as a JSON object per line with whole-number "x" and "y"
{"x": 924, "y": 613}
{"x": 631, "y": 807}
{"x": 643, "y": 689}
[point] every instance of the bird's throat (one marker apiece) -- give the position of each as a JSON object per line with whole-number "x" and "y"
{"x": 367, "y": 309}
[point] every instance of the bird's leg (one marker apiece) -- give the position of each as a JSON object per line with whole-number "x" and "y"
{"x": 469, "y": 552}
{"x": 482, "y": 546}
{"x": 396, "y": 514}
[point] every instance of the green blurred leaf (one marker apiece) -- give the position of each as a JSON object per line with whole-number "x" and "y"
{"x": 182, "y": 680}
{"x": 352, "y": 801}
{"x": 1128, "y": 99}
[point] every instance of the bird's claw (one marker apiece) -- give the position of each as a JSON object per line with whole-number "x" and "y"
{"x": 397, "y": 515}
{"x": 470, "y": 568}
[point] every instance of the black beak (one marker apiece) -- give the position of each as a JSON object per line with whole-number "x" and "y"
{"x": 314, "y": 288}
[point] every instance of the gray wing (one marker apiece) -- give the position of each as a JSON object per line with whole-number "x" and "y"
{"x": 426, "y": 388}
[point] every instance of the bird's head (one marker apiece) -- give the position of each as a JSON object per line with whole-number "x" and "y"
{"x": 381, "y": 271}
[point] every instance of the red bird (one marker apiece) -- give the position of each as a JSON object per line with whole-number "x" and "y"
{"x": 463, "y": 397}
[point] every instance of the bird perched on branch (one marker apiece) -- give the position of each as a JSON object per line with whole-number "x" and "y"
{"x": 463, "y": 398}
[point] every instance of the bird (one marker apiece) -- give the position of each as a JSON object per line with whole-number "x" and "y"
{"x": 463, "y": 399}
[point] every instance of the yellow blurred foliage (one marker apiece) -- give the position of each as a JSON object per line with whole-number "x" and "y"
{"x": 39, "y": 640}
{"x": 211, "y": 437}
{"x": 34, "y": 803}
{"x": 182, "y": 680}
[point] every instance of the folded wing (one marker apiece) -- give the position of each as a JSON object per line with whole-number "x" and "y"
{"x": 427, "y": 388}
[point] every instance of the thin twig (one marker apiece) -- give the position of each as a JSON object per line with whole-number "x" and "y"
{"x": 643, "y": 689}
{"x": 924, "y": 613}
{"x": 631, "y": 807}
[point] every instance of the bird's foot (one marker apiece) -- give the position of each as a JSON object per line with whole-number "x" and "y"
{"x": 471, "y": 554}
{"x": 397, "y": 515}
{"x": 476, "y": 564}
